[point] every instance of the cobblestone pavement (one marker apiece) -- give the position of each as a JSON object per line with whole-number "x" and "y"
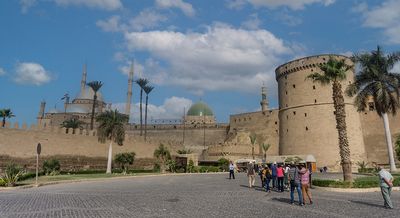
{"x": 207, "y": 195}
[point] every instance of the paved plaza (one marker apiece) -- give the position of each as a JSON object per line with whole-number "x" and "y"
{"x": 206, "y": 195}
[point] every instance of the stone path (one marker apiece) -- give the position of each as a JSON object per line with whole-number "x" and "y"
{"x": 206, "y": 195}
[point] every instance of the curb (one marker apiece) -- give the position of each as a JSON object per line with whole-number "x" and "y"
{"x": 100, "y": 179}
{"x": 352, "y": 190}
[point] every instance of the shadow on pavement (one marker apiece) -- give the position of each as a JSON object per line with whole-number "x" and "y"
{"x": 283, "y": 200}
{"x": 367, "y": 203}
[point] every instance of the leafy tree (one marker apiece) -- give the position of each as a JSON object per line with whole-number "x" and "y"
{"x": 124, "y": 159}
{"x": 142, "y": 82}
{"x": 6, "y": 114}
{"x": 162, "y": 154}
{"x": 72, "y": 123}
{"x": 111, "y": 127}
{"x": 376, "y": 80}
{"x": 265, "y": 148}
{"x": 95, "y": 85}
{"x": 333, "y": 72}
{"x": 51, "y": 167}
{"x": 253, "y": 138}
{"x": 171, "y": 164}
{"x": 223, "y": 163}
{"x": 147, "y": 90}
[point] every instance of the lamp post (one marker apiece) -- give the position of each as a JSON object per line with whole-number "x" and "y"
{"x": 38, "y": 151}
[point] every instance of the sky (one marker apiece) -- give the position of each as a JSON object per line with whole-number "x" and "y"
{"x": 218, "y": 51}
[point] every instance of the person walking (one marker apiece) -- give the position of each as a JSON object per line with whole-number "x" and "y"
{"x": 305, "y": 184}
{"x": 294, "y": 179}
{"x": 231, "y": 170}
{"x": 285, "y": 179}
{"x": 386, "y": 183}
{"x": 251, "y": 174}
{"x": 279, "y": 174}
{"x": 273, "y": 172}
{"x": 268, "y": 177}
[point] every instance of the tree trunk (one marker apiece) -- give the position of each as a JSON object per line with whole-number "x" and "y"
{"x": 389, "y": 142}
{"x": 109, "y": 160}
{"x": 145, "y": 118}
{"x": 252, "y": 151}
{"x": 141, "y": 120}
{"x": 340, "y": 115}
{"x": 93, "y": 108}
{"x": 4, "y": 122}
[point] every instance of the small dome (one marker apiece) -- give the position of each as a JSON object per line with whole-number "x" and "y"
{"x": 200, "y": 109}
{"x": 74, "y": 108}
{"x": 88, "y": 94}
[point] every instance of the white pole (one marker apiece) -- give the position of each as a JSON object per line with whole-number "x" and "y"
{"x": 37, "y": 168}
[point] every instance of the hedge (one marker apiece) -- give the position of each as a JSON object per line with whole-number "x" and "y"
{"x": 361, "y": 182}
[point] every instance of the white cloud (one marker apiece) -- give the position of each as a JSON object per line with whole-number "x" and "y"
{"x": 285, "y": 17}
{"x": 221, "y": 58}
{"x": 99, "y": 4}
{"x": 172, "y": 108}
{"x": 26, "y": 5}
{"x": 147, "y": 19}
{"x": 292, "y": 4}
{"x": 2, "y": 72}
{"x": 385, "y": 16}
{"x": 252, "y": 23}
{"x": 112, "y": 24}
{"x": 185, "y": 7}
{"x": 31, "y": 73}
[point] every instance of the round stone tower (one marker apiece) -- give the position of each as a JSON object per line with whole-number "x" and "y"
{"x": 306, "y": 114}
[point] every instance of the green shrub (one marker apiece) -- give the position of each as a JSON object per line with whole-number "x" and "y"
{"x": 223, "y": 164}
{"x": 190, "y": 167}
{"x": 208, "y": 169}
{"x": 156, "y": 167}
{"x": 361, "y": 182}
{"x": 51, "y": 167}
{"x": 171, "y": 165}
{"x": 12, "y": 174}
{"x": 2, "y": 182}
{"x": 124, "y": 159}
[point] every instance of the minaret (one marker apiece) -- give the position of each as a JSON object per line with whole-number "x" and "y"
{"x": 83, "y": 81}
{"x": 41, "y": 112}
{"x": 129, "y": 93}
{"x": 264, "y": 101}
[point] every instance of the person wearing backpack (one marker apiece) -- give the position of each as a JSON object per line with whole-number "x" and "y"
{"x": 268, "y": 178}
{"x": 274, "y": 176}
{"x": 295, "y": 181}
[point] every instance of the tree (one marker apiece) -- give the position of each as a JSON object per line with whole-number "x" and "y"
{"x": 142, "y": 82}
{"x": 265, "y": 148}
{"x": 72, "y": 123}
{"x": 253, "y": 138}
{"x": 95, "y": 85}
{"x": 111, "y": 127}
{"x": 375, "y": 80}
{"x": 147, "y": 90}
{"x": 333, "y": 72}
{"x": 162, "y": 154}
{"x": 397, "y": 143}
{"x": 124, "y": 159}
{"x": 6, "y": 114}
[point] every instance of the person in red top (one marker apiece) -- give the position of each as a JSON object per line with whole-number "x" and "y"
{"x": 280, "y": 174}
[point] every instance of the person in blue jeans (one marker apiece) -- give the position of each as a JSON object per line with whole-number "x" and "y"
{"x": 295, "y": 183}
{"x": 268, "y": 178}
{"x": 274, "y": 175}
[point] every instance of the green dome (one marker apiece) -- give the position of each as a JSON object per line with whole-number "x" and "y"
{"x": 200, "y": 109}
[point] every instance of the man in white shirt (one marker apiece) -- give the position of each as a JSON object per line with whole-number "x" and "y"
{"x": 231, "y": 170}
{"x": 386, "y": 183}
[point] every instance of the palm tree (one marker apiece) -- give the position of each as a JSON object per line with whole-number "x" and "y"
{"x": 6, "y": 113}
{"x": 375, "y": 80}
{"x": 111, "y": 127}
{"x": 333, "y": 72}
{"x": 147, "y": 90}
{"x": 142, "y": 82}
{"x": 265, "y": 148}
{"x": 162, "y": 154}
{"x": 72, "y": 123}
{"x": 95, "y": 85}
{"x": 253, "y": 138}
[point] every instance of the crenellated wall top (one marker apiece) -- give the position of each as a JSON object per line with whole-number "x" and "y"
{"x": 305, "y": 63}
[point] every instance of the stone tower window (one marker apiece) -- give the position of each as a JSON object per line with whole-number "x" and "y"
{"x": 287, "y": 130}
{"x": 285, "y": 76}
{"x": 294, "y": 112}
{"x": 276, "y": 122}
{"x": 286, "y": 105}
{"x": 294, "y": 86}
{"x": 286, "y": 92}
{"x": 313, "y": 87}
{"x": 287, "y": 117}
{"x": 306, "y": 128}
{"x": 305, "y": 114}
{"x": 315, "y": 100}
{"x": 312, "y": 70}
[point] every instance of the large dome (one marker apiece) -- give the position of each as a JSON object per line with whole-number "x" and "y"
{"x": 200, "y": 109}
{"x": 88, "y": 94}
{"x": 75, "y": 108}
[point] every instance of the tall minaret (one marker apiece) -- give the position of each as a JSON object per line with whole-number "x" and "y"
{"x": 129, "y": 93}
{"x": 41, "y": 112}
{"x": 83, "y": 81}
{"x": 264, "y": 101}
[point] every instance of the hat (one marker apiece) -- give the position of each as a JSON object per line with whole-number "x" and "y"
{"x": 292, "y": 163}
{"x": 274, "y": 162}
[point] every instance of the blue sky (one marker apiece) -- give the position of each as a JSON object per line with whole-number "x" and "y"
{"x": 217, "y": 50}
